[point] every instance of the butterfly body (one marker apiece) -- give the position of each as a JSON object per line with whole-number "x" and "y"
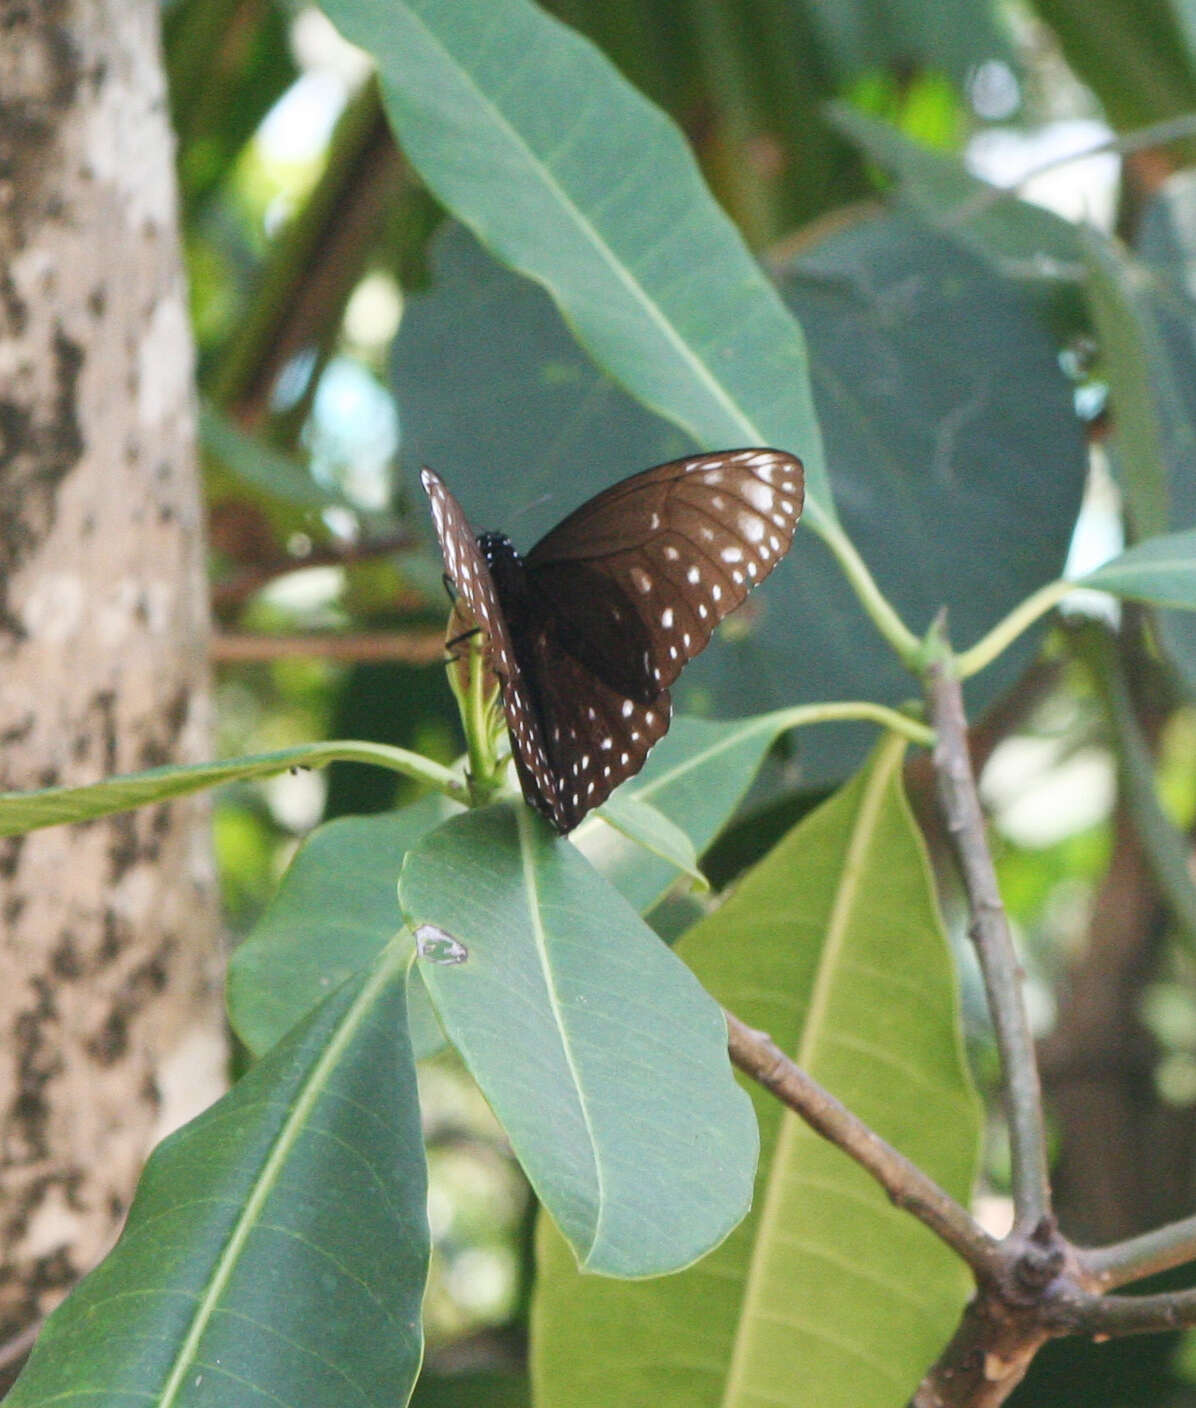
{"x": 587, "y": 633}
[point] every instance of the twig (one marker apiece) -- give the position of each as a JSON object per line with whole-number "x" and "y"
{"x": 422, "y": 649}
{"x": 994, "y": 947}
{"x": 1104, "y": 1317}
{"x": 252, "y": 577}
{"x": 757, "y": 1055}
{"x": 1142, "y": 1256}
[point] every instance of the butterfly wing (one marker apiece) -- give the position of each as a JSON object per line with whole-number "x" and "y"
{"x": 636, "y": 580}
{"x": 470, "y": 575}
{"x": 596, "y": 737}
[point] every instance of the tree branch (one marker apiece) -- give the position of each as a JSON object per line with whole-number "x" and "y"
{"x": 410, "y": 648}
{"x": 989, "y": 931}
{"x": 757, "y": 1055}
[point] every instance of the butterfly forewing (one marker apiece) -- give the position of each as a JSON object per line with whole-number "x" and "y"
{"x": 679, "y": 546}
{"x": 589, "y": 633}
{"x": 469, "y": 573}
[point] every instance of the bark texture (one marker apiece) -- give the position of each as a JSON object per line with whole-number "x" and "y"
{"x": 109, "y": 1022}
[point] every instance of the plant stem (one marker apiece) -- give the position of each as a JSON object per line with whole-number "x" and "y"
{"x": 757, "y": 1055}
{"x": 477, "y": 734}
{"x": 1006, "y": 631}
{"x": 989, "y": 931}
{"x": 907, "y": 645}
{"x": 799, "y": 715}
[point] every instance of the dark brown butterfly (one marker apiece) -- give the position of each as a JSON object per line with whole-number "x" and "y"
{"x": 587, "y": 633}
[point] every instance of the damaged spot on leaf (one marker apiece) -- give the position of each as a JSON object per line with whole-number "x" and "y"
{"x": 437, "y": 946}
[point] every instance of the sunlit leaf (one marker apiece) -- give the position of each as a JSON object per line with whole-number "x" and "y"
{"x": 826, "y": 1294}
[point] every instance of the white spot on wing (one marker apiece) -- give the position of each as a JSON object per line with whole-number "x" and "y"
{"x": 758, "y": 495}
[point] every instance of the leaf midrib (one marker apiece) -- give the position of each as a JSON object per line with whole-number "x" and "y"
{"x": 523, "y": 817}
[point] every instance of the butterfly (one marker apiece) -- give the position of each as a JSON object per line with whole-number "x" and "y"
{"x": 587, "y": 632}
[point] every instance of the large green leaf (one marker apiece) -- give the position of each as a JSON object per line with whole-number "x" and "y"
{"x": 335, "y": 910}
{"x": 601, "y": 1055}
{"x": 959, "y": 464}
{"x": 942, "y": 401}
{"x": 826, "y": 1294}
{"x": 533, "y": 139}
{"x": 277, "y": 1247}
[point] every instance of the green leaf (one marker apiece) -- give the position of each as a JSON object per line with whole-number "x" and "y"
{"x": 569, "y": 175}
{"x": 1161, "y": 570}
{"x": 653, "y": 832}
{"x": 56, "y": 806}
{"x": 277, "y": 1247}
{"x": 696, "y": 776}
{"x": 335, "y": 910}
{"x": 601, "y": 1055}
{"x": 826, "y": 1294}
{"x": 1163, "y": 285}
{"x": 1146, "y": 399}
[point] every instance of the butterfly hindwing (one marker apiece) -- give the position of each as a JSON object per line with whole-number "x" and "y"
{"x": 596, "y": 737}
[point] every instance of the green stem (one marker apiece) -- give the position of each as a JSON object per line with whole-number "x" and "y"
{"x": 56, "y": 806}
{"x": 1005, "y": 632}
{"x": 798, "y": 715}
{"x": 907, "y": 645}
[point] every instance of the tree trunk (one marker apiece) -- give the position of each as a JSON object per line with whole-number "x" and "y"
{"x": 109, "y": 1021}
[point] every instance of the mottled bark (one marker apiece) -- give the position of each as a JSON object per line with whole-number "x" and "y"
{"x": 109, "y": 1023}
